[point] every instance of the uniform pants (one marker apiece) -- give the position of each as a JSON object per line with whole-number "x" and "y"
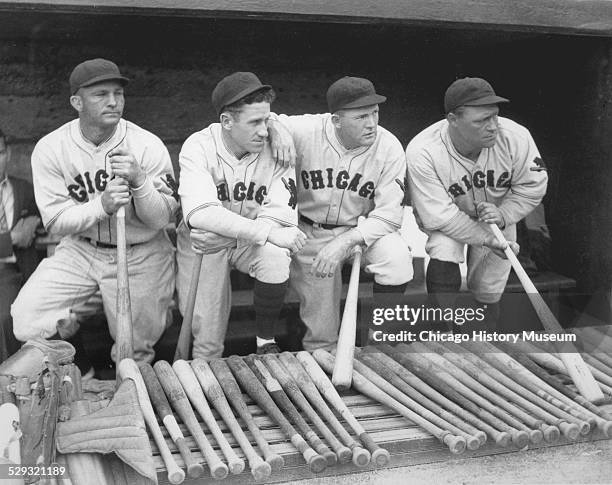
{"x": 267, "y": 263}
{"x": 487, "y": 273}
{"x": 389, "y": 259}
{"x": 69, "y": 279}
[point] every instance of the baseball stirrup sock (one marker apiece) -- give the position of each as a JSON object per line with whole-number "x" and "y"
{"x": 443, "y": 277}
{"x": 268, "y": 299}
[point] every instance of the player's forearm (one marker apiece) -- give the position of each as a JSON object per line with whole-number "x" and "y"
{"x": 76, "y": 218}
{"x": 221, "y": 221}
{"x": 515, "y": 207}
{"x": 153, "y": 208}
{"x": 373, "y": 228}
{"x": 464, "y": 229}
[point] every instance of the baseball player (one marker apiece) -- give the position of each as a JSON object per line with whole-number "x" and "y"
{"x": 239, "y": 209}
{"x": 350, "y": 191}
{"x": 471, "y": 169}
{"x": 83, "y": 172}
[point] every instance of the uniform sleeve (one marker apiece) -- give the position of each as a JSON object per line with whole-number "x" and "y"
{"x": 201, "y": 206}
{"x": 434, "y": 205}
{"x": 529, "y": 181}
{"x": 388, "y": 211}
{"x": 60, "y": 213}
{"x": 279, "y": 206}
{"x": 153, "y": 200}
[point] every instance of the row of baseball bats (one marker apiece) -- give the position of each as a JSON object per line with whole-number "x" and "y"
{"x": 292, "y": 390}
{"x": 466, "y": 394}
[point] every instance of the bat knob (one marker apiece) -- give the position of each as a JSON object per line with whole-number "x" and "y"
{"x": 472, "y": 443}
{"x": 551, "y": 434}
{"x": 361, "y": 456}
{"x": 195, "y": 470}
{"x": 177, "y": 476}
{"x": 236, "y": 467}
{"x": 482, "y": 437}
{"x": 380, "y": 457}
{"x": 569, "y": 430}
{"x": 218, "y": 471}
{"x": 317, "y": 463}
{"x": 456, "y": 444}
{"x": 536, "y": 436}
{"x": 503, "y": 439}
{"x": 261, "y": 471}
{"x": 520, "y": 438}
{"x": 276, "y": 462}
{"x": 585, "y": 428}
{"x": 344, "y": 454}
{"x": 330, "y": 457}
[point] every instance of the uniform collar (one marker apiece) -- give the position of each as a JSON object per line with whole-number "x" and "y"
{"x": 330, "y": 133}
{"x": 114, "y": 140}
{"x": 446, "y": 139}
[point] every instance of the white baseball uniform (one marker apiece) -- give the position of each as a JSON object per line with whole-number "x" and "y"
{"x": 69, "y": 174}
{"x": 446, "y": 186}
{"x": 336, "y": 186}
{"x": 242, "y": 200}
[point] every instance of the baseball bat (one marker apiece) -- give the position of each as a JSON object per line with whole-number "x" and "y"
{"x": 513, "y": 369}
{"x": 456, "y": 444}
{"x": 360, "y": 456}
{"x": 161, "y": 404}
{"x": 343, "y": 368}
{"x": 501, "y": 438}
{"x": 397, "y": 390}
{"x": 230, "y": 388}
{"x": 447, "y": 384}
{"x": 599, "y": 336}
{"x": 127, "y": 369}
{"x": 178, "y": 399}
{"x": 576, "y": 367}
{"x": 284, "y": 403}
{"x": 250, "y": 383}
{"x": 573, "y": 397}
{"x": 380, "y": 456}
{"x": 512, "y": 414}
{"x": 373, "y": 371}
{"x": 194, "y": 392}
{"x": 259, "y": 468}
{"x": 183, "y": 345}
{"x": 124, "y": 340}
{"x": 291, "y": 388}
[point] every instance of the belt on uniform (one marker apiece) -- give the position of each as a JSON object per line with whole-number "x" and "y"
{"x": 103, "y": 245}
{"x": 310, "y": 222}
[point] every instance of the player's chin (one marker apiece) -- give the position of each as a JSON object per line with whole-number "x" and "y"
{"x": 256, "y": 146}
{"x": 368, "y": 140}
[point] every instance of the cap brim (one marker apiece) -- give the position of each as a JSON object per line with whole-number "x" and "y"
{"x": 365, "y": 101}
{"x": 107, "y": 77}
{"x": 245, "y": 92}
{"x": 492, "y": 99}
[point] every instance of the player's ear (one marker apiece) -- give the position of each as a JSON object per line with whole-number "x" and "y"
{"x": 335, "y": 118}
{"x": 76, "y": 102}
{"x": 226, "y": 119}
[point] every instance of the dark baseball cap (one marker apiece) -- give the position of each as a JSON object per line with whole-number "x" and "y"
{"x": 95, "y": 71}
{"x": 234, "y": 87}
{"x": 470, "y": 91}
{"x": 352, "y": 92}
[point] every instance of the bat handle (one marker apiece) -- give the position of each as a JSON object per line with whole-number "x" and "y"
{"x": 183, "y": 345}
{"x": 516, "y": 265}
{"x": 380, "y": 456}
{"x": 124, "y": 340}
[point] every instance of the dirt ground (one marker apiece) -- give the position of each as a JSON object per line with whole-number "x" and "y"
{"x": 583, "y": 463}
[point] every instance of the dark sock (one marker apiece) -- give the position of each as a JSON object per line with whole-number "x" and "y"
{"x": 268, "y": 299}
{"x": 443, "y": 280}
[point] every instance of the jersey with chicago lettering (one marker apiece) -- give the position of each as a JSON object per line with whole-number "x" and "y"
{"x": 70, "y": 174}
{"x": 254, "y": 187}
{"x": 336, "y": 185}
{"x": 510, "y": 174}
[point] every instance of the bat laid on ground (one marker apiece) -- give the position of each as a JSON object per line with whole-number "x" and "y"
{"x": 183, "y": 345}
{"x": 250, "y": 383}
{"x": 259, "y": 468}
{"x": 177, "y": 397}
{"x": 576, "y": 367}
{"x": 127, "y": 369}
{"x": 164, "y": 411}
{"x": 380, "y": 456}
{"x": 343, "y": 368}
{"x": 361, "y": 456}
{"x": 231, "y": 390}
{"x": 124, "y": 340}
{"x": 194, "y": 392}
{"x": 456, "y": 444}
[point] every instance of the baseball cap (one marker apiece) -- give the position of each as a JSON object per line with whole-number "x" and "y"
{"x": 352, "y": 92}
{"x": 470, "y": 91}
{"x": 95, "y": 71}
{"x": 234, "y": 87}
